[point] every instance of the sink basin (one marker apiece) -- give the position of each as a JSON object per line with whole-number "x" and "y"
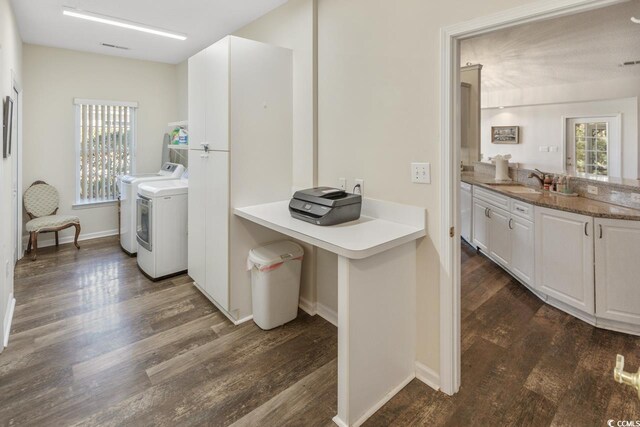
{"x": 518, "y": 189}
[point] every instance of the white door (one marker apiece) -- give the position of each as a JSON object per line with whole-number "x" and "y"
{"x": 217, "y": 235}
{"x": 466, "y": 207}
{"x": 500, "y": 236}
{"x": 564, "y": 257}
{"x": 197, "y": 80}
{"x": 481, "y": 225}
{"x": 522, "y": 249}
{"x": 217, "y": 95}
{"x": 196, "y": 213}
{"x": 617, "y": 270}
{"x": 593, "y": 145}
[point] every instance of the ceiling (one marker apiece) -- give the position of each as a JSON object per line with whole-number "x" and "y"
{"x": 203, "y": 21}
{"x": 578, "y": 48}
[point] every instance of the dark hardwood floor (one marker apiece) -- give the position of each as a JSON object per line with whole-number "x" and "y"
{"x": 94, "y": 342}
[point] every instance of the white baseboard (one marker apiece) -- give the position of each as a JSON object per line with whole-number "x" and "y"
{"x": 327, "y": 314}
{"x": 68, "y": 239}
{"x": 377, "y": 406}
{"x": 428, "y": 376}
{"x": 8, "y": 317}
{"x": 307, "y": 306}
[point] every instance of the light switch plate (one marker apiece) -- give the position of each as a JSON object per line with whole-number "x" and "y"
{"x": 421, "y": 173}
{"x": 544, "y": 148}
{"x": 553, "y": 148}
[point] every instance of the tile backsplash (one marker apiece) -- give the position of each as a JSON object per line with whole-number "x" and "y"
{"x": 624, "y": 193}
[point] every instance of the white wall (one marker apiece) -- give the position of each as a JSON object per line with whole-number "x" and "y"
{"x": 53, "y": 77}
{"x": 542, "y": 125}
{"x": 10, "y": 61}
{"x": 182, "y": 91}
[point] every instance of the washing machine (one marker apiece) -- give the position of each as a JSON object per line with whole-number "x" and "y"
{"x": 128, "y": 185}
{"x": 161, "y": 227}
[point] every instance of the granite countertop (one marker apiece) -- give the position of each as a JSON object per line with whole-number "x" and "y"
{"x": 579, "y": 205}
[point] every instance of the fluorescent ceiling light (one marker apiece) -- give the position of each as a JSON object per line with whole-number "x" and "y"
{"x": 90, "y": 16}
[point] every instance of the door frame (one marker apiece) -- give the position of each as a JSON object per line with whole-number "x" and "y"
{"x": 16, "y": 87}
{"x": 450, "y": 38}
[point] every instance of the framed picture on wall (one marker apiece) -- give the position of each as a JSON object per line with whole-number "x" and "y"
{"x": 505, "y": 134}
{"x": 7, "y": 125}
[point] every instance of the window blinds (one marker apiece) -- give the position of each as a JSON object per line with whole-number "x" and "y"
{"x": 106, "y": 133}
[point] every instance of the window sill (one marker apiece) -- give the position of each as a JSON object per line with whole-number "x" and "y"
{"x": 91, "y": 205}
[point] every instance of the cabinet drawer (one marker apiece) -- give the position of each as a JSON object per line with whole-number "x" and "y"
{"x": 488, "y": 196}
{"x": 521, "y": 209}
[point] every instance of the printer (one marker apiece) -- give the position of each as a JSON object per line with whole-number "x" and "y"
{"x": 325, "y": 206}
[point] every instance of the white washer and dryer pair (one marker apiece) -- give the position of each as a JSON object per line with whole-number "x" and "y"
{"x": 161, "y": 227}
{"x": 128, "y": 185}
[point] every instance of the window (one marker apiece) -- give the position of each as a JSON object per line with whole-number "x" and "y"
{"x": 589, "y": 145}
{"x": 105, "y": 144}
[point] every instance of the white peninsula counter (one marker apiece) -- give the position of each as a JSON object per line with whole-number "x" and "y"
{"x": 376, "y": 296}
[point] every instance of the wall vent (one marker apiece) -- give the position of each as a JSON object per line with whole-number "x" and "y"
{"x": 630, "y": 63}
{"x": 114, "y": 46}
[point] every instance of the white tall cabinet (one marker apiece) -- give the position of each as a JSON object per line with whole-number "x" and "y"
{"x": 240, "y": 154}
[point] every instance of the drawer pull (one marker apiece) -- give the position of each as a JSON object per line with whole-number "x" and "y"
{"x": 519, "y": 209}
{"x": 600, "y": 225}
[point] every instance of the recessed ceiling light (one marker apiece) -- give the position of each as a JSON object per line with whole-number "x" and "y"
{"x": 95, "y": 17}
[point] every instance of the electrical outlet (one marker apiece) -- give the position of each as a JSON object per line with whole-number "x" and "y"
{"x": 553, "y": 148}
{"x": 359, "y": 182}
{"x": 635, "y": 197}
{"x": 421, "y": 173}
{"x": 342, "y": 183}
{"x": 592, "y": 189}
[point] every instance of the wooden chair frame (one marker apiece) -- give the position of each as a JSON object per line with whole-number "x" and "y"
{"x": 33, "y": 235}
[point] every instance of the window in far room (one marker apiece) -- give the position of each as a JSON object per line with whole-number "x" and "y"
{"x": 105, "y": 146}
{"x": 589, "y": 142}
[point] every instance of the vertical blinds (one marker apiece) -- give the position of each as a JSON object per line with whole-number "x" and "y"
{"x": 106, "y": 147}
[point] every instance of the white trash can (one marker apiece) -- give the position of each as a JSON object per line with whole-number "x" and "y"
{"x": 275, "y": 283}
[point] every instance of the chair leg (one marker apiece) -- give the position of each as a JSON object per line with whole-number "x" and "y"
{"x": 29, "y": 244}
{"x": 75, "y": 240}
{"x": 35, "y": 246}
{"x": 57, "y": 242}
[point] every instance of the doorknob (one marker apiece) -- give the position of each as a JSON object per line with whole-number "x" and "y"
{"x": 623, "y": 377}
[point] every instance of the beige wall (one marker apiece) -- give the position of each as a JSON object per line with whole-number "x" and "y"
{"x": 10, "y": 62}
{"x": 182, "y": 90}
{"x": 379, "y": 110}
{"x": 53, "y": 77}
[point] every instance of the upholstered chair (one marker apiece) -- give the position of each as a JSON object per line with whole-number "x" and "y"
{"x": 41, "y": 202}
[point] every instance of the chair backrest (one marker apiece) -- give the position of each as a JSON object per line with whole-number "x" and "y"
{"x": 41, "y": 199}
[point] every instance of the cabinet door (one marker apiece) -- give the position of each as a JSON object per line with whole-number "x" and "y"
{"x": 522, "y": 250}
{"x": 197, "y": 100}
{"x": 480, "y": 225}
{"x": 217, "y": 95}
{"x": 217, "y": 234}
{"x": 617, "y": 270}
{"x": 196, "y": 215}
{"x": 564, "y": 257}
{"x": 499, "y": 236}
{"x": 466, "y": 208}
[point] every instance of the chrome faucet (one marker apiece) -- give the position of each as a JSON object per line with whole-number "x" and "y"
{"x": 540, "y": 177}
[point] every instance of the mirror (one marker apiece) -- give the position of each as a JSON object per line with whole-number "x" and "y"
{"x": 563, "y": 88}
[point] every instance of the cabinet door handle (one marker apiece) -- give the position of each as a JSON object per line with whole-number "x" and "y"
{"x": 510, "y": 222}
{"x": 485, "y": 212}
{"x": 586, "y": 224}
{"x": 488, "y": 212}
{"x": 600, "y": 225}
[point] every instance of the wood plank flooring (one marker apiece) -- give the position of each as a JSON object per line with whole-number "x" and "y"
{"x": 94, "y": 342}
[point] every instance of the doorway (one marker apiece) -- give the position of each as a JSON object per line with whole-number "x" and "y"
{"x": 450, "y": 296}
{"x": 16, "y": 171}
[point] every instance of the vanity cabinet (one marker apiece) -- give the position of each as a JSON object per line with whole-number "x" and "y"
{"x": 502, "y": 229}
{"x": 564, "y": 257}
{"x": 617, "y": 270}
{"x": 466, "y": 209}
